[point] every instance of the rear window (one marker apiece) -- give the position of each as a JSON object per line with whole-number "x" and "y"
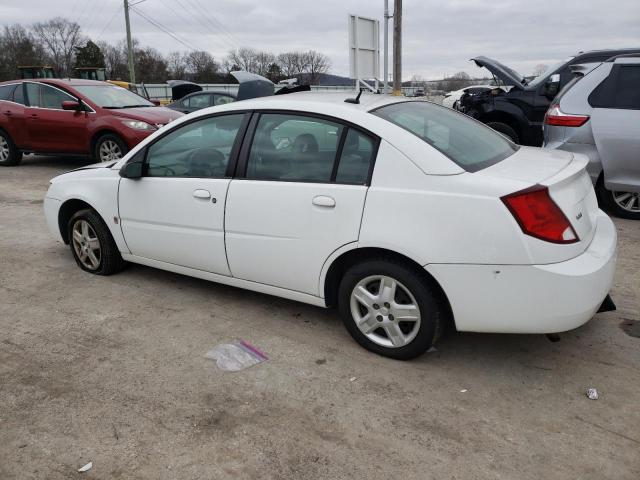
{"x": 466, "y": 142}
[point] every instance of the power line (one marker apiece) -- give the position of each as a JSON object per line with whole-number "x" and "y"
{"x": 197, "y": 24}
{"x": 120, "y": 7}
{"x": 97, "y": 15}
{"x": 166, "y": 30}
{"x": 213, "y": 23}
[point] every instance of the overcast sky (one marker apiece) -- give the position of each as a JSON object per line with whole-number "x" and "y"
{"x": 439, "y": 35}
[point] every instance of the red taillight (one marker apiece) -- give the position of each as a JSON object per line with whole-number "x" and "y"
{"x": 557, "y": 117}
{"x": 539, "y": 216}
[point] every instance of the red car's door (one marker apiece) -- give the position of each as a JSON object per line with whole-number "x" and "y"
{"x": 12, "y": 115}
{"x": 49, "y": 127}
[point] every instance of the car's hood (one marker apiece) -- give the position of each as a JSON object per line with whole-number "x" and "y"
{"x": 152, "y": 115}
{"x": 504, "y": 73}
{"x": 252, "y": 85}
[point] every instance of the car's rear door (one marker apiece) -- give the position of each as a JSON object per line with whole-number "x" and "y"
{"x": 300, "y": 196}
{"x": 12, "y": 113}
{"x": 175, "y": 212}
{"x": 49, "y": 127}
{"x": 615, "y": 121}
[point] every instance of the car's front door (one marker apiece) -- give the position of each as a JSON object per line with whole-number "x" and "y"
{"x": 615, "y": 121}
{"x": 301, "y": 198}
{"x": 49, "y": 127}
{"x": 175, "y": 212}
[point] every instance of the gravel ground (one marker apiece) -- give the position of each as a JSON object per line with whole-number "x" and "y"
{"x": 112, "y": 370}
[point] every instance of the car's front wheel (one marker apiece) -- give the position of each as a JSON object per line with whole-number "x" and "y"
{"x": 9, "y": 153}
{"x": 110, "y": 147}
{"x": 92, "y": 245}
{"x": 505, "y": 130}
{"x": 390, "y": 309}
{"x": 621, "y": 204}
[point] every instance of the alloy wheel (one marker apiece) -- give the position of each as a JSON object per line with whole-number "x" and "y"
{"x": 86, "y": 244}
{"x": 629, "y": 201}
{"x": 5, "y": 151}
{"x": 385, "y": 311}
{"x": 109, "y": 151}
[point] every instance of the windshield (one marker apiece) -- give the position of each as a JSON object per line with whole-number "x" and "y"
{"x": 112, "y": 96}
{"x": 543, "y": 76}
{"x": 468, "y": 143}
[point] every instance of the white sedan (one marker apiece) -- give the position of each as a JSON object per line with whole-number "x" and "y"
{"x": 404, "y": 215}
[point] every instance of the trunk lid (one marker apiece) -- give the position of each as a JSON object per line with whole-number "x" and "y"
{"x": 570, "y": 187}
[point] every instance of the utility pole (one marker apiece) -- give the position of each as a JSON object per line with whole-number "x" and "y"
{"x": 385, "y": 85}
{"x": 132, "y": 73}
{"x": 397, "y": 47}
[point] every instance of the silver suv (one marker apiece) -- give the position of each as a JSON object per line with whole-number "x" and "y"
{"x": 599, "y": 115}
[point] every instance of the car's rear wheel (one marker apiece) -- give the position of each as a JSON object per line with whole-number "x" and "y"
{"x": 91, "y": 243}
{"x": 110, "y": 147}
{"x": 9, "y": 153}
{"x": 390, "y": 309}
{"x": 621, "y": 204}
{"x": 505, "y": 130}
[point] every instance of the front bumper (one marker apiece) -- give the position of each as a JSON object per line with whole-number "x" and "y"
{"x": 532, "y": 298}
{"x": 51, "y": 209}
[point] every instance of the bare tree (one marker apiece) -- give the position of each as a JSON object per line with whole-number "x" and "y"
{"x": 18, "y": 47}
{"x": 292, "y": 63}
{"x": 539, "y": 69}
{"x": 263, "y": 62}
{"x": 317, "y": 65}
{"x": 243, "y": 58}
{"x": 201, "y": 66}
{"x": 59, "y": 37}
{"x": 115, "y": 60}
{"x": 176, "y": 65}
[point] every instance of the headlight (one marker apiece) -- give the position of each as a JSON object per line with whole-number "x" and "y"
{"x": 138, "y": 125}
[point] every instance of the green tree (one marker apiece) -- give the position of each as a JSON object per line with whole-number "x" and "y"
{"x": 89, "y": 56}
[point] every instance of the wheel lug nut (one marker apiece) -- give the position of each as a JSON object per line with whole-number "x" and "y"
{"x": 391, "y": 317}
{"x": 386, "y": 304}
{"x": 379, "y": 318}
{"x": 376, "y": 306}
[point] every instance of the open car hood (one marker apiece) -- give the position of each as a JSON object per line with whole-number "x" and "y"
{"x": 504, "y": 73}
{"x": 252, "y": 85}
{"x": 180, "y": 88}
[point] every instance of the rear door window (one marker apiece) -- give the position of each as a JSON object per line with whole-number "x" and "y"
{"x": 468, "y": 143}
{"x": 200, "y": 101}
{"x": 621, "y": 89}
{"x": 293, "y": 148}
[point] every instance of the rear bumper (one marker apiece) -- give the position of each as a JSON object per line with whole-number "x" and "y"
{"x": 532, "y": 298}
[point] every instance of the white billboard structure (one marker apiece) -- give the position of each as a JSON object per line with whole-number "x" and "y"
{"x": 364, "y": 50}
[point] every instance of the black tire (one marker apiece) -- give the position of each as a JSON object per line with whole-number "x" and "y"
{"x": 109, "y": 261}
{"x": 432, "y": 311}
{"x": 505, "y": 130}
{"x": 103, "y": 140}
{"x": 13, "y": 155}
{"x": 609, "y": 203}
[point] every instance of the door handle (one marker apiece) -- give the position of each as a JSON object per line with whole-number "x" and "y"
{"x": 324, "y": 201}
{"x": 203, "y": 194}
{"x": 34, "y": 115}
{"x": 8, "y": 113}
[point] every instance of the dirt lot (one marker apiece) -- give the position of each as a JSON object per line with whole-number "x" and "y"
{"x": 112, "y": 370}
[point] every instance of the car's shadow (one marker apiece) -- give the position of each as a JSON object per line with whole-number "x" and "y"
{"x": 526, "y": 352}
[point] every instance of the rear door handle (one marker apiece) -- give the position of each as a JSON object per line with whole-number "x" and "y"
{"x": 8, "y": 113}
{"x": 34, "y": 115}
{"x": 203, "y": 194}
{"x": 324, "y": 201}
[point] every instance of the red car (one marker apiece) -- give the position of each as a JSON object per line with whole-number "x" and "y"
{"x": 74, "y": 116}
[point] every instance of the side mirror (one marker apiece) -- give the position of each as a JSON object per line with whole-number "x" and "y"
{"x": 551, "y": 86}
{"x": 71, "y": 105}
{"x": 131, "y": 170}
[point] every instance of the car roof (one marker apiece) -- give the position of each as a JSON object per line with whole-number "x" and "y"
{"x": 333, "y": 105}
